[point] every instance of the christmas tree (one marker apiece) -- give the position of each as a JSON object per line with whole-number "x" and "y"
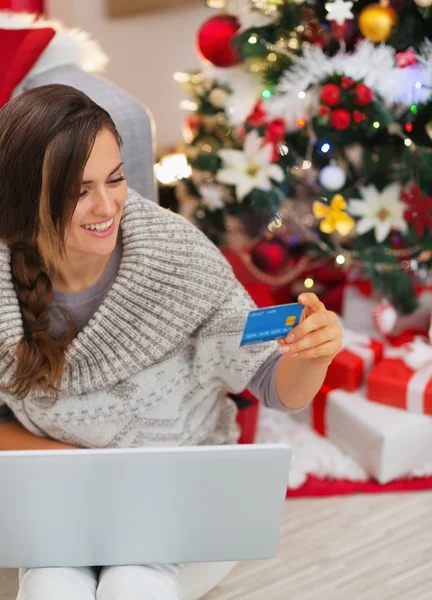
{"x": 319, "y": 113}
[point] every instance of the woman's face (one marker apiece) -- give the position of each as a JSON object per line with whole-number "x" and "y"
{"x": 96, "y": 220}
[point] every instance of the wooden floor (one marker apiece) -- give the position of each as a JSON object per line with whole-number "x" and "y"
{"x": 374, "y": 547}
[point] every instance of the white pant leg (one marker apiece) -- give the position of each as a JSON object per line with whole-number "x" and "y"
{"x": 57, "y": 584}
{"x": 143, "y": 582}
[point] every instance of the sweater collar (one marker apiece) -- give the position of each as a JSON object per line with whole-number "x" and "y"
{"x": 171, "y": 279}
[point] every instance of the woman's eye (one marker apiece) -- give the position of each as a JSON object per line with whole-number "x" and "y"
{"x": 83, "y": 194}
{"x": 118, "y": 180}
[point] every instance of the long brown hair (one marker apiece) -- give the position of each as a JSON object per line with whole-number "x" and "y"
{"x": 46, "y": 137}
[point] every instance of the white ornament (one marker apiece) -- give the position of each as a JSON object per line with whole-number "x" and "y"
{"x": 385, "y": 317}
{"x": 250, "y": 168}
{"x": 332, "y": 177}
{"x": 381, "y": 211}
{"x": 212, "y": 196}
{"x": 339, "y": 11}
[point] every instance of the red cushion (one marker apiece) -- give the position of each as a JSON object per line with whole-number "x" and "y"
{"x": 20, "y": 49}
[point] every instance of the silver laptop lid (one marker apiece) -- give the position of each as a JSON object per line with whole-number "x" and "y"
{"x": 138, "y": 506}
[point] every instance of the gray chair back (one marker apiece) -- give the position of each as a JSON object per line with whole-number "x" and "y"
{"x": 132, "y": 119}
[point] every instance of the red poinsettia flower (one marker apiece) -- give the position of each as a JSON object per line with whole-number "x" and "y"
{"x": 419, "y": 209}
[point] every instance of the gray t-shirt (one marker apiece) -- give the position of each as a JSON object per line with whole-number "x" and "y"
{"x": 81, "y": 306}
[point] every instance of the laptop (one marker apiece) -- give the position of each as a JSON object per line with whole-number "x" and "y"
{"x": 141, "y": 505}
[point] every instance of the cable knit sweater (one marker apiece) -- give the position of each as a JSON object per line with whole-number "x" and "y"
{"x": 155, "y": 363}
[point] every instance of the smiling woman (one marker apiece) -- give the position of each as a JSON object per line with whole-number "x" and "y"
{"x": 51, "y": 248}
{"x": 150, "y": 348}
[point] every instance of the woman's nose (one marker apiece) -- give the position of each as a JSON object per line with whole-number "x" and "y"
{"x": 103, "y": 205}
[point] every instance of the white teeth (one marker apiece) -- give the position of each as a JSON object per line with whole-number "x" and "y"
{"x": 99, "y": 226}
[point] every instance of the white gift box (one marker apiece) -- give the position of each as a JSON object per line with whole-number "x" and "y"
{"x": 386, "y": 442}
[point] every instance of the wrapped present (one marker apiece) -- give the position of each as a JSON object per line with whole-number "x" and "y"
{"x": 388, "y": 443}
{"x": 404, "y": 378}
{"x": 349, "y": 368}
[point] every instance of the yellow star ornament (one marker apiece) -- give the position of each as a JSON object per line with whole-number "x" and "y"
{"x": 334, "y": 216}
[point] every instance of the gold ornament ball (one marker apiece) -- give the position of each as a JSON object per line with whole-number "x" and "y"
{"x": 377, "y": 21}
{"x": 423, "y": 3}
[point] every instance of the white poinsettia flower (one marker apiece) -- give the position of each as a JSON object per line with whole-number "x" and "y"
{"x": 250, "y": 168}
{"x": 212, "y": 196}
{"x": 381, "y": 211}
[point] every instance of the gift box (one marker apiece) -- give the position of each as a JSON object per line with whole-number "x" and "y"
{"x": 349, "y": 368}
{"x": 388, "y": 443}
{"x": 404, "y": 378}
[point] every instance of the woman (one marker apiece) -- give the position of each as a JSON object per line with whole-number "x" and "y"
{"x": 120, "y": 321}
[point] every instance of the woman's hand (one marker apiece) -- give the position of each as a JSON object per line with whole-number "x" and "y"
{"x": 318, "y": 337}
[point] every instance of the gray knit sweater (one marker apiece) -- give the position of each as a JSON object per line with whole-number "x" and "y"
{"x": 155, "y": 363}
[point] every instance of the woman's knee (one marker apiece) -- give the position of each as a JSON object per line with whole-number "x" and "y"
{"x": 57, "y": 584}
{"x": 138, "y": 583}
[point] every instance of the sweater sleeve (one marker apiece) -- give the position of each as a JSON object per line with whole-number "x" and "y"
{"x": 218, "y": 351}
{"x": 263, "y": 384}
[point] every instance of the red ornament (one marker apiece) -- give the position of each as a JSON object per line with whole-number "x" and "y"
{"x": 270, "y": 256}
{"x": 406, "y": 59}
{"x": 344, "y": 32}
{"x": 257, "y": 118}
{"x": 214, "y": 40}
{"x": 340, "y": 119}
{"x": 364, "y": 94}
{"x": 347, "y": 82}
{"x": 275, "y": 134}
{"x": 330, "y": 94}
{"x": 419, "y": 210}
{"x": 315, "y": 34}
{"x": 359, "y": 117}
{"x": 324, "y": 110}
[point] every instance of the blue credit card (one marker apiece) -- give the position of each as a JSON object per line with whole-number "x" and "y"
{"x": 272, "y": 323}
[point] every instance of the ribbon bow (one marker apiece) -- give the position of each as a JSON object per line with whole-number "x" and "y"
{"x": 417, "y": 355}
{"x": 360, "y": 344}
{"x": 352, "y": 338}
